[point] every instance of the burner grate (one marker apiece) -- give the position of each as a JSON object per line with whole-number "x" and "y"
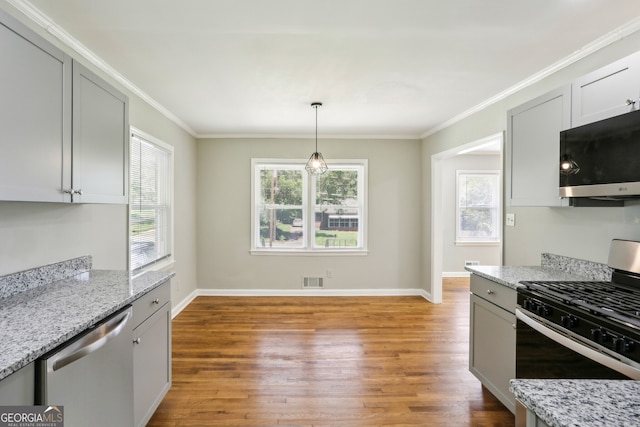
{"x": 603, "y": 298}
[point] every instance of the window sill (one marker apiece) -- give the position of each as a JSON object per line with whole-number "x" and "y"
{"x": 477, "y": 243}
{"x": 315, "y": 252}
{"x": 162, "y": 265}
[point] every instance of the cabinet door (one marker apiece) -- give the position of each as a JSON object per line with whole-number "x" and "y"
{"x": 151, "y": 364}
{"x": 533, "y": 149}
{"x": 19, "y": 387}
{"x": 100, "y": 140}
{"x": 606, "y": 92}
{"x": 492, "y": 348}
{"x": 35, "y": 108}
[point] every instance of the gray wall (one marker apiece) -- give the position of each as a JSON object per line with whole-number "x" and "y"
{"x": 224, "y": 261}
{"x": 34, "y": 234}
{"x": 576, "y": 232}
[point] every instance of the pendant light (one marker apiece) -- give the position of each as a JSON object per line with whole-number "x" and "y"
{"x": 316, "y": 164}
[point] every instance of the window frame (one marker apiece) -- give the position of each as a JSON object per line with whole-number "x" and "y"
{"x": 308, "y": 207}
{"x": 469, "y": 241}
{"x": 167, "y": 260}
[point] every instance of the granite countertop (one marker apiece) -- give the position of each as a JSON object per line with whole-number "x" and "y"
{"x": 552, "y": 267}
{"x": 581, "y": 403}
{"x": 38, "y": 319}
{"x": 511, "y": 276}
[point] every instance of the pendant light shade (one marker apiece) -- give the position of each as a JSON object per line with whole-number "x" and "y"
{"x": 316, "y": 164}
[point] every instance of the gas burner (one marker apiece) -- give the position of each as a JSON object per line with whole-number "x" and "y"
{"x": 608, "y": 299}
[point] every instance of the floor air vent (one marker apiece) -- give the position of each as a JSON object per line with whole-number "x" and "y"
{"x": 312, "y": 282}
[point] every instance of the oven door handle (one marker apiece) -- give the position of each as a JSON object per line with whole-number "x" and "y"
{"x": 572, "y": 344}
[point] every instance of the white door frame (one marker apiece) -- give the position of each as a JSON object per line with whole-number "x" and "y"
{"x": 437, "y": 205}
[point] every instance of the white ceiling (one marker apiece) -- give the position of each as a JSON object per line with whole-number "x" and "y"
{"x": 381, "y": 67}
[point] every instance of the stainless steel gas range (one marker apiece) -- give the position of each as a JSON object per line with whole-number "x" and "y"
{"x": 582, "y": 329}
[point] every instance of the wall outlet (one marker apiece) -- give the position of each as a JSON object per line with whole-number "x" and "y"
{"x": 329, "y": 273}
{"x": 511, "y": 220}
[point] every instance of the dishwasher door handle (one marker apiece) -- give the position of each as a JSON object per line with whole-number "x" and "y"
{"x": 90, "y": 342}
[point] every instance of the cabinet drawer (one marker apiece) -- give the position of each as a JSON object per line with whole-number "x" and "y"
{"x": 496, "y": 293}
{"x": 150, "y": 302}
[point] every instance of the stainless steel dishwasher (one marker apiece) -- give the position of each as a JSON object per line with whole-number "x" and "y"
{"x": 91, "y": 376}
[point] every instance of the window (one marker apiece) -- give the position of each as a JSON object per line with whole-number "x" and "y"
{"x": 293, "y": 212}
{"x": 150, "y": 206}
{"x": 477, "y": 210}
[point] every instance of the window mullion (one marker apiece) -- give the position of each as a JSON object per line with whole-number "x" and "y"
{"x": 309, "y": 209}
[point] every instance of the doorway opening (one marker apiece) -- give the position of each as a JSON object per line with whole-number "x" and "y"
{"x": 442, "y": 199}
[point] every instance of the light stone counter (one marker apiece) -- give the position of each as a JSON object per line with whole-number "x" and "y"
{"x": 36, "y": 319}
{"x": 581, "y": 403}
{"x": 552, "y": 267}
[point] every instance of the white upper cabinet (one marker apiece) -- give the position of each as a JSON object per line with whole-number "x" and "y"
{"x": 100, "y": 140}
{"x": 533, "y": 147}
{"x": 606, "y": 92}
{"x": 35, "y": 116}
{"x": 65, "y": 131}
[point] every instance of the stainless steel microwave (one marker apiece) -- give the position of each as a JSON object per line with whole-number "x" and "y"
{"x": 601, "y": 160}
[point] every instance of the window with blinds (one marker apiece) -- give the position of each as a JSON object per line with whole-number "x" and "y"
{"x": 150, "y": 201}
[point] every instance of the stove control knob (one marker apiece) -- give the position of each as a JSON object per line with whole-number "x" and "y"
{"x": 623, "y": 345}
{"x": 569, "y": 321}
{"x": 600, "y": 335}
{"x": 544, "y": 311}
{"x": 530, "y": 304}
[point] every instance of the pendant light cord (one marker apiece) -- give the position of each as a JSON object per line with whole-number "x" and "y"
{"x": 316, "y": 107}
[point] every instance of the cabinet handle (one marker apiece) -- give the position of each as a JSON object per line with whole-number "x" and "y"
{"x": 137, "y": 341}
{"x": 156, "y": 301}
{"x": 72, "y": 191}
{"x": 513, "y": 325}
{"x": 490, "y": 292}
{"x": 631, "y": 101}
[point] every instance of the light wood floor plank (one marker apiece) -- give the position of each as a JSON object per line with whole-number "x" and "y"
{"x": 326, "y": 361}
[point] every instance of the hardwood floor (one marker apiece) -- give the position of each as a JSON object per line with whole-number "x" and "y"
{"x": 326, "y": 361}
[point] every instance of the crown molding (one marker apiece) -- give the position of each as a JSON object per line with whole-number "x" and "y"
{"x": 58, "y": 32}
{"x": 601, "y": 42}
{"x": 68, "y": 40}
{"x": 307, "y": 136}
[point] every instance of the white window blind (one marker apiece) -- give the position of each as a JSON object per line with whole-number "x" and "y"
{"x": 150, "y": 202}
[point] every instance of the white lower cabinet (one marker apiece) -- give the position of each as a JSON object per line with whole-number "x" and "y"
{"x": 492, "y": 337}
{"x": 18, "y": 388}
{"x": 151, "y": 353}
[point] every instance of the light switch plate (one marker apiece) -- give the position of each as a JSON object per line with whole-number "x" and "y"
{"x": 511, "y": 220}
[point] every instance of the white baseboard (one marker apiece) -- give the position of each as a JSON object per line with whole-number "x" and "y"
{"x": 297, "y": 292}
{"x": 456, "y": 274}
{"x": 311, "y": 292}
{"x": 176, "y": 309}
